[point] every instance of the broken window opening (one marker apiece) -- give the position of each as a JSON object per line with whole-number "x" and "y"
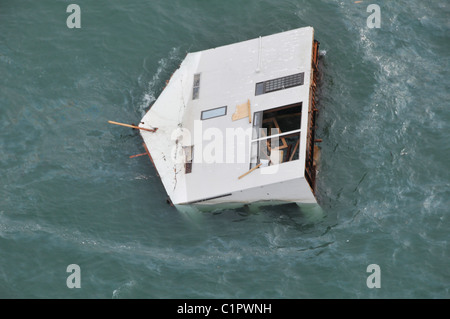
{"x": 188, "y": 158}
{"x": 276, "y": 135}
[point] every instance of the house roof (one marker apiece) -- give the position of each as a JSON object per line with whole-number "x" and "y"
{"x": 216, "y": 81}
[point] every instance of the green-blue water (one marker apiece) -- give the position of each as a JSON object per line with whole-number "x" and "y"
{"x": 70, "y": 194}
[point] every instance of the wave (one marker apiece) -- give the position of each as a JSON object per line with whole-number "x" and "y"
{"x": 158, "y": 78}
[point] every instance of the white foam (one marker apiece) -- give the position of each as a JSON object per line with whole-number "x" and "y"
{"x": 163, "y": 64}
{"x": 124, "y": 288}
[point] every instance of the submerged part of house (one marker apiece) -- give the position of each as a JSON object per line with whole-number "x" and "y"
{"x": 235, "y": 124}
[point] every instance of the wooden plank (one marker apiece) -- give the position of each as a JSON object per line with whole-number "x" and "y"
{"x": 133, "y": 126}
{"x": 133, "y": 156}
{"x": 249, "y": 112}
{"x": 283, "y": 140}
{"x": 149, "y": 156}
{"x": 242, "y": 111}
{"x": 295, "y": 149}
{"x": 245, "y": 174}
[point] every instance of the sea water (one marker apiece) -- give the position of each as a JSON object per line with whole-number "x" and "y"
{"x": 70, "y": 194}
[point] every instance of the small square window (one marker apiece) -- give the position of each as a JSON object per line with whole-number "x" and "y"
{"x": 196, "y": 80}
{"x": 259, "y": 88}
{"x": 195, "y": 93}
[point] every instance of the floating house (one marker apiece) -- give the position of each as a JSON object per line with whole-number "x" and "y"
{"x": 235, "y": 124}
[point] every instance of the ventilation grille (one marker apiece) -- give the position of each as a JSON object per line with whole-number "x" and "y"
{"x": 279, "y": 83}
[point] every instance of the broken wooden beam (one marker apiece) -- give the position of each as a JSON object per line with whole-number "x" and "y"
{"x": 257, "y": 166}
{"x": 133, "y": 126}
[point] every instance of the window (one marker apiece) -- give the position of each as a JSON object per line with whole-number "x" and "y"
{"x": 276, "y": 135}
{"x": 188, "y": 158}
{"x": 196, "y": 86}
{"x": 259, "y": 88}
{"x": 279, "y": 83}
{"x": 209, "y": 114}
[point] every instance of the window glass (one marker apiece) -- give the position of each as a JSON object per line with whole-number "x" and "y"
{"x": 209, "y": 114}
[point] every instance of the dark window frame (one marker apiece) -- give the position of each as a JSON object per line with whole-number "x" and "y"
{"x": 220, "y": 107}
